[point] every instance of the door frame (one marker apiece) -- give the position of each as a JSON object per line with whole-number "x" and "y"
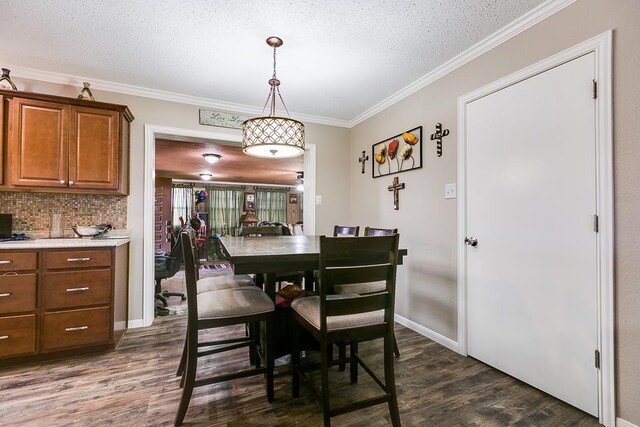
{"x": 151, "y": 132}
{"x": 601, "y": 46}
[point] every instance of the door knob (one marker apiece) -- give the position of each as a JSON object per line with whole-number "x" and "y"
{"x": 471, "y": 241}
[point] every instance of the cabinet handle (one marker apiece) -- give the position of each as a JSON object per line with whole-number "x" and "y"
{"x": 8, "y": 294}
{"x": 62, "y": 181}
{"x": 76, "y": 328}
{"x": 70, "y": 182}
{"x": 4, "y": 337}
{"x": 4, "y": 261}
{"x": 86, "y": 288}
{"x": 78, "y": 259}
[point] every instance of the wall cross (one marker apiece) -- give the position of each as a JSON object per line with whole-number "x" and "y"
{"x": 395, "y": 187}
{"x": 437, "y": 137}
{"x": 363, "y": 159}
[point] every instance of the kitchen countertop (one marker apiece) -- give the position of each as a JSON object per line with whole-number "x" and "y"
{"x": 64, "y": 243}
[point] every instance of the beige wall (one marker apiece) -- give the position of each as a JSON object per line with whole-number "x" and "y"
{"x": 427, "y": 222}
{"x": 331, "y": 165}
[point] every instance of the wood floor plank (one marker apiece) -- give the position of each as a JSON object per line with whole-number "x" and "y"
{"x": 136, "y": 386}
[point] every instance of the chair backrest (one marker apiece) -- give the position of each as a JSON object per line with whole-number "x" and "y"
{"x": 357, "y": 260}
{"x": 370, "y": 231}
{"x": 261, "y": 231}
{"x": 345, "y": 231}
{"x": 190, "y": 275}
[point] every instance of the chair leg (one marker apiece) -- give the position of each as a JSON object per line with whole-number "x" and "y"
{"x": 295, "y": 361}
{"x": 353, "y": 362}
{"x": 162, "y": 299}
{"x": 342, "y": 355}
{"x": 189, "y": 382}
{"x": 396, "y": 350}
{"x": 389, "y": 379}
{"x": 324, "y": 375}
{"x": 268, "y": 343}
{"x": 183, "y": 357}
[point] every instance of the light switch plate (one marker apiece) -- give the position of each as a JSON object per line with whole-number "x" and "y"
{"x": 450, "y": 191}
{"x": 318, "y": 199}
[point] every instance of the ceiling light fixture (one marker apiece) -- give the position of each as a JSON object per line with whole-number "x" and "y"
{"x": 272, "y": 136}
{"x": 206, "y": 176}
{"x": 212, "y": 158}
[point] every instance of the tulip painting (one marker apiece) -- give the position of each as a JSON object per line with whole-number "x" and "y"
{"x": 400, "y": 153}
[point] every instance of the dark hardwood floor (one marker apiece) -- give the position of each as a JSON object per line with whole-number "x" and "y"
{"x": 136, "y": 386}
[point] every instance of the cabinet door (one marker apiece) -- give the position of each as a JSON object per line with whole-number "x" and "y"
{"x": 94, "y": 149}
{"x": 38, "y": 143}
{"x": 2, "y": 139}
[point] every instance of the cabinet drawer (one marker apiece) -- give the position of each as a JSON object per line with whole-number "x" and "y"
{"x": 17, "y": 335}
{"x": 75, "y": 328}
{"x": 18, "y": 261}
{"x": 55, "y": 260}
{"x": 17, "y": 293}
{"x": 76, "y": 288}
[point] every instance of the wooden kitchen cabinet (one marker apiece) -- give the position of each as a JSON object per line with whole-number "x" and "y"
{"x": 59, "y": 144}
{"x": 3, "y": 138}
{"x": 62, "y": 301}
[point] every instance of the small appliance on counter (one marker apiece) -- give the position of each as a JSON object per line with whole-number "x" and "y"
{"x": 6, "y": 225}
{"x": 6, "y": 229}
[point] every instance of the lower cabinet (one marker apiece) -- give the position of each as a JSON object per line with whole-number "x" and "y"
{"x": 55, "y": 302}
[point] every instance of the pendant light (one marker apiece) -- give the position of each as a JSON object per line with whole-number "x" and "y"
{"x": 272, "y": 136}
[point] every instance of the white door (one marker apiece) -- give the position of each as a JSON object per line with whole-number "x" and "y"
{"x": 531, "y": 200}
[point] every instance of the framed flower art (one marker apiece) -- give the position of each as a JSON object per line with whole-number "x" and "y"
{"x": 400, "y": 153}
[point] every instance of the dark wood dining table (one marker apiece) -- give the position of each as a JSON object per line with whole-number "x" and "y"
{"x": 276, "y": 254}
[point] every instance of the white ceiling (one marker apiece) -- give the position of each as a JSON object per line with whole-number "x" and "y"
{"x": 339, "y": 58}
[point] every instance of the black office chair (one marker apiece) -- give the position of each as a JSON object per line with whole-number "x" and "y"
{"x": 167, "y": 264}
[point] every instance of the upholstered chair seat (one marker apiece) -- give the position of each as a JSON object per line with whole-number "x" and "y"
{"x": 309, "y": 308}
{"x": 233, "y": 302}
{"x": 218, "y": 283}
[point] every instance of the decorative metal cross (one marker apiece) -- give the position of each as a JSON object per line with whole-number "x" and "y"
{"x": 395, "y": 187}
{"x": 363, "y": 159}
{"x": 437, "y": 136}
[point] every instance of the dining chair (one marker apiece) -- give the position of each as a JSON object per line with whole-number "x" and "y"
{"x": 345, "y": 231}
{"x": 371, "y": 231}
{"x": 214, "y": 309}
{"x": 332, "y": 319}
{"x": 215, "y": 283}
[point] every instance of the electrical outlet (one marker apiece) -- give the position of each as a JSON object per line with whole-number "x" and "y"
{"x": 318, "y": 199}
{"x": 450, "y": 191}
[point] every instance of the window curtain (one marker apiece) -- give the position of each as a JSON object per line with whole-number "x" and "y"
{"x": 271, "y": 204}
{"x": 182, "y": 205}
{"x": 225, "y": 207}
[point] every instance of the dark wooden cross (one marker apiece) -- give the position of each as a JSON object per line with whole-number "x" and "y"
{"x": 363, "y": 159}
{"x": 395, "y": 187}
{"x": 437, "y": 137}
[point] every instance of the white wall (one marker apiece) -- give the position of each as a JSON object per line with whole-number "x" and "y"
{"x": 427, "y": 222}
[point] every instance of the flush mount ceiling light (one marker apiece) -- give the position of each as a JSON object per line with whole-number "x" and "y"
{"x": 206, "y": 176}
{"x": 212, "y": 158}
{"x": 272, "y": 136}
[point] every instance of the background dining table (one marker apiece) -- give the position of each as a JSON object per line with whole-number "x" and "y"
{"x": 276, "y": 254}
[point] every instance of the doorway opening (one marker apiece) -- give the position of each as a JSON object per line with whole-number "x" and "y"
{"x": 154, "y": 132}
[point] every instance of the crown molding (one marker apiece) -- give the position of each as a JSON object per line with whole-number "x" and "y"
{"x": 526, "y": 21}
{"x": 73, "y": 80}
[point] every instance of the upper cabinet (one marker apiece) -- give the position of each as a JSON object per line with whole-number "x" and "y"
{"x": 66, "y": 145}
{"x": 2, "y": 138}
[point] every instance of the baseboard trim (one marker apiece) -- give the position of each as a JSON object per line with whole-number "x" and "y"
{"x": 426, "y": 332}
{"x": 624, "y": 423}
{"x": 136, "y": 323}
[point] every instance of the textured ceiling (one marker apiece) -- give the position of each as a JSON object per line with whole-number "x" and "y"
{"x": 339, "y": 58}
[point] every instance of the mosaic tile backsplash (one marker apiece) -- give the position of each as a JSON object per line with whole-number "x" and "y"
{"x": 32, "y": 211}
